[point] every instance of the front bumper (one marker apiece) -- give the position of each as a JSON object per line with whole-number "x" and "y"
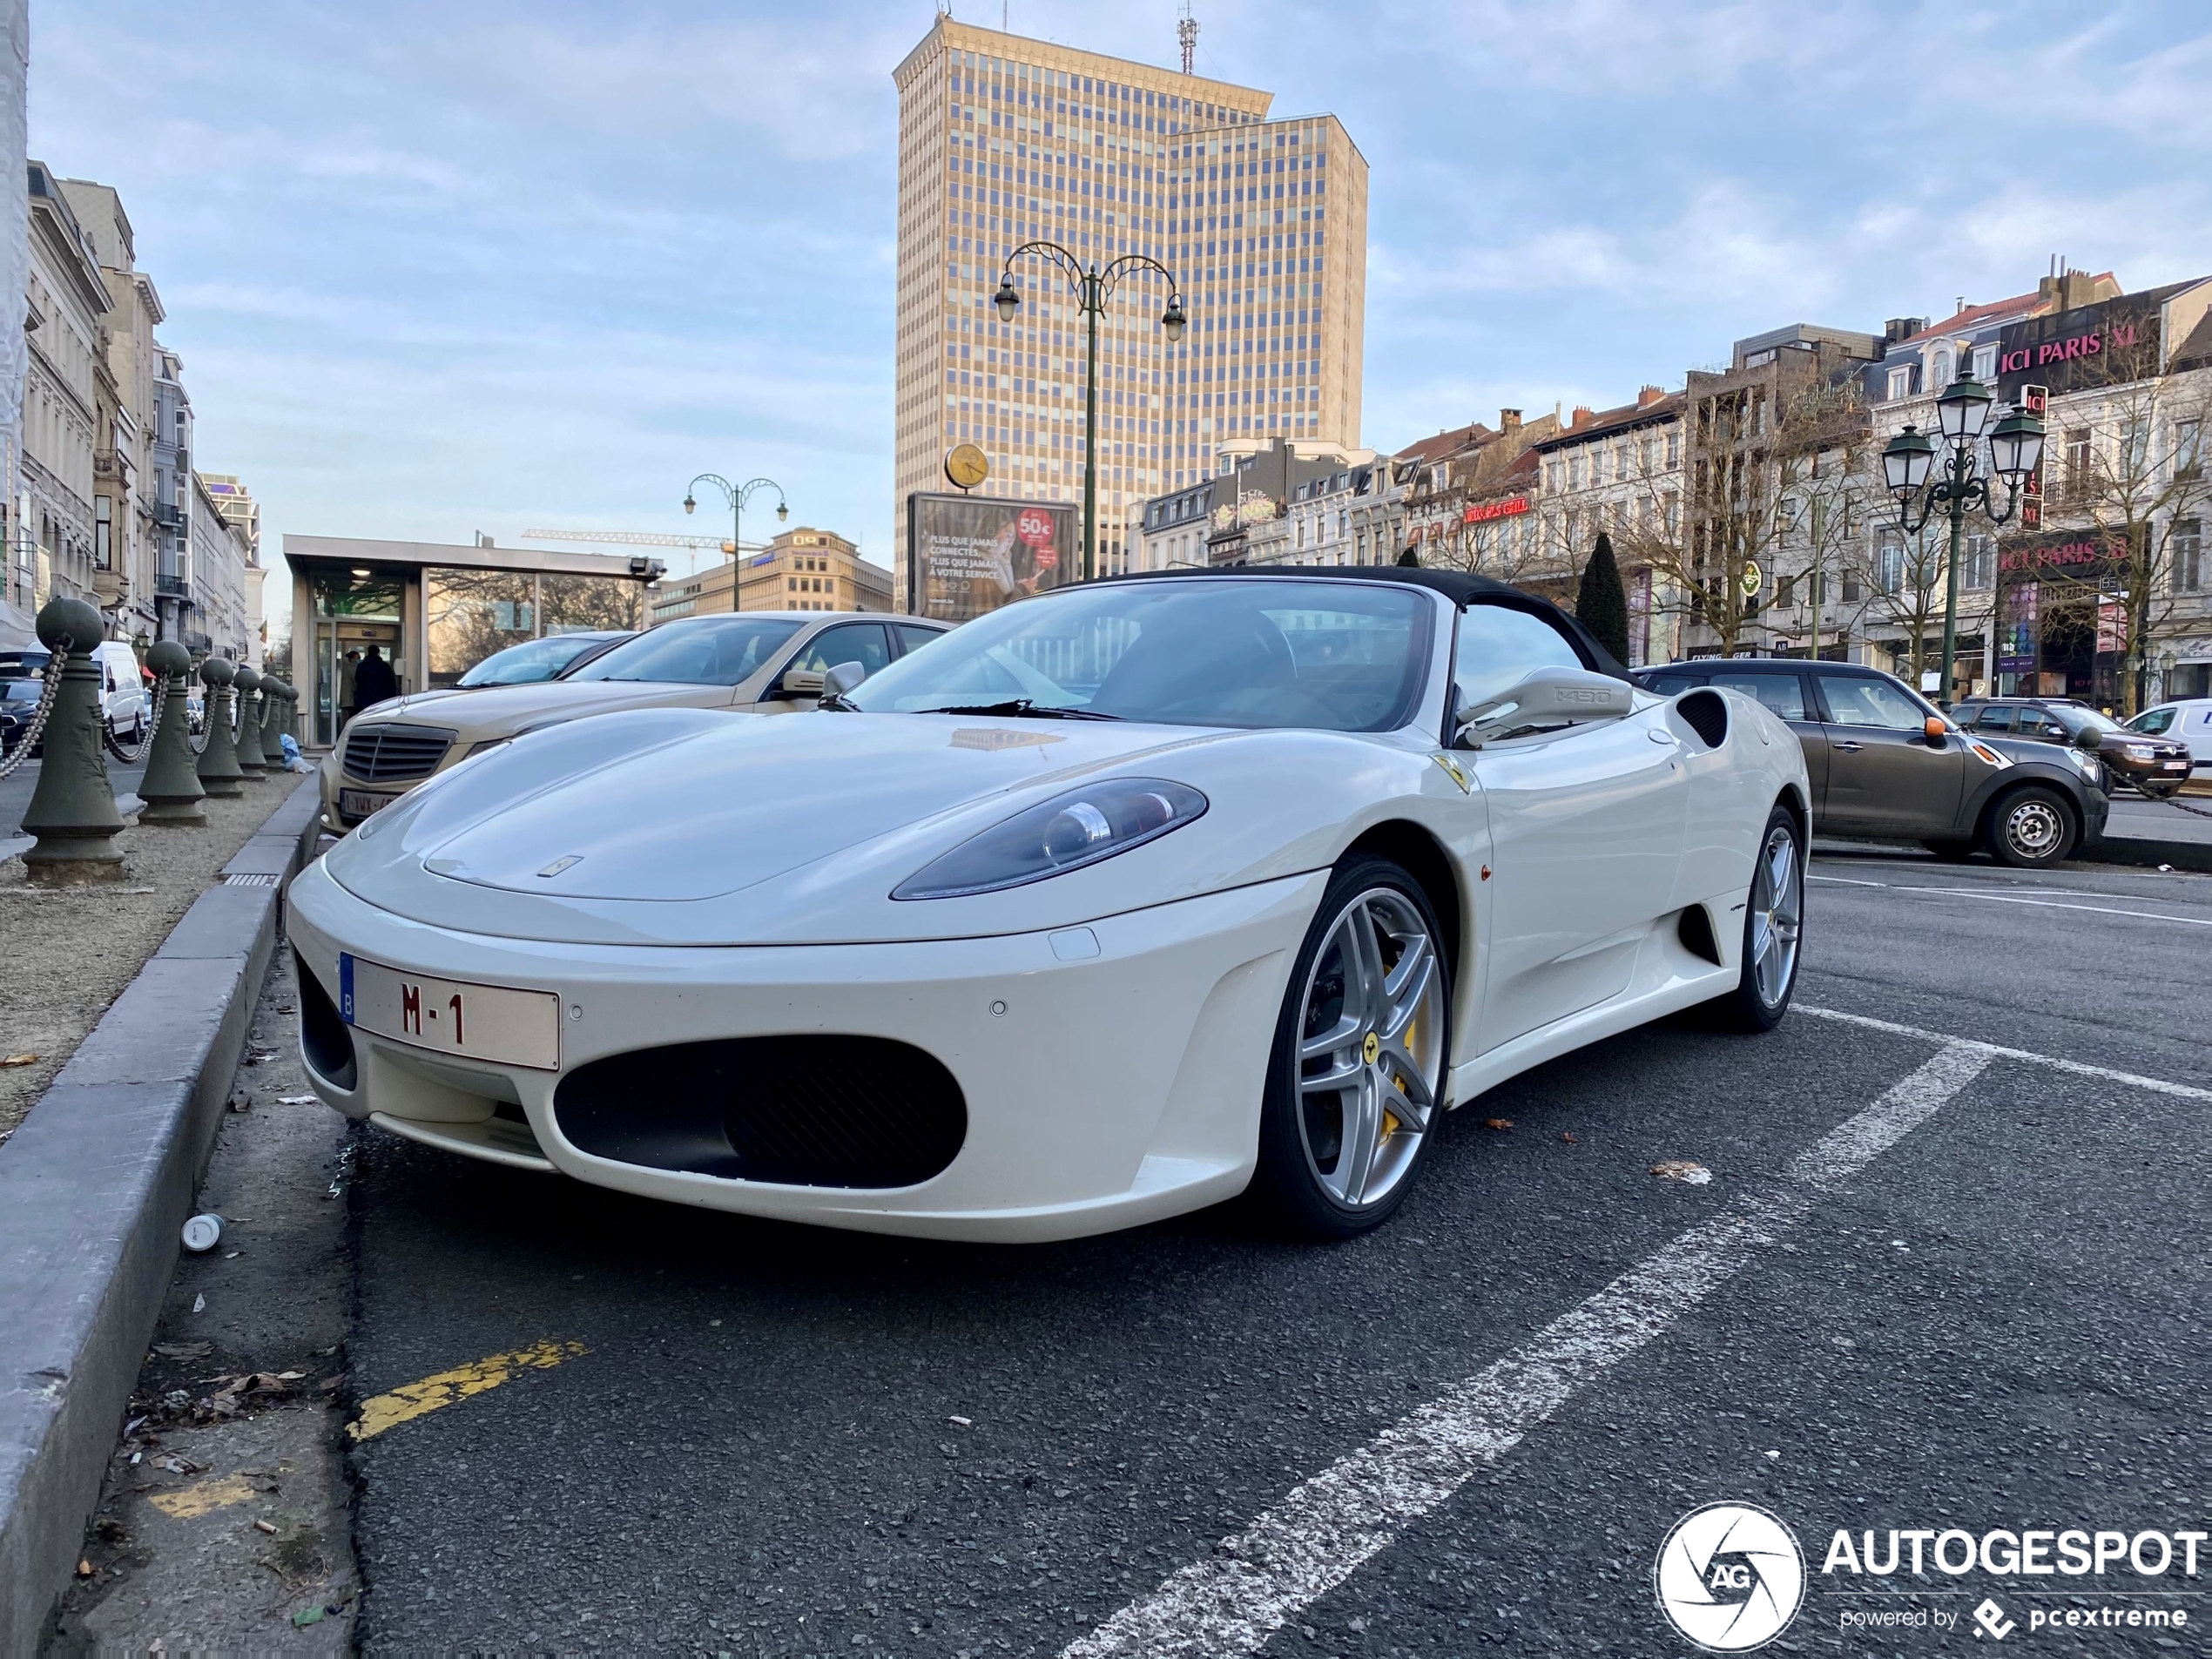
{"x": 1112, "y": 1074}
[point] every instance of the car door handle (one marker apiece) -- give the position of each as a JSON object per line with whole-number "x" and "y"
{"x": 1849, "y": 746}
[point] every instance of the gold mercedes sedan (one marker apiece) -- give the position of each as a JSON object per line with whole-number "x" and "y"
{"x": 759, "y": 661}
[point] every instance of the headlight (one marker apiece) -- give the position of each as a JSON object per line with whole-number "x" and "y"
{"x": 2088, "y": 762}
{"x": 1056, "y": 836}
{"x": 2142, "y": 752}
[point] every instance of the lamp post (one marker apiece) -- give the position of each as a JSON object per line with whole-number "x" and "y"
{"x": 737, "y": 495}
{"x": 2015, "y": 446}
{"x": 1092, "y": 289}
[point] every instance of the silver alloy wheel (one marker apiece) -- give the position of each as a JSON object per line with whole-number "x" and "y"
{"x": 1777, "y": 917}
{"x": 1370, "y": 1048}
{"x": 2034, "y": 828}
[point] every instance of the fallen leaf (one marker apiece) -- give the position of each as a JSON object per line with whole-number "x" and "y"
{"x": 84, "y": 1568}
{"x": 19, "y": 1060}
{"x": 1497, "y": 1123}
{"x": 1695, "y": 1174}
{"x": 1567, "y": 1136}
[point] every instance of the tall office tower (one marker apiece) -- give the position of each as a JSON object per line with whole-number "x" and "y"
{"x": 1003, "y": 141}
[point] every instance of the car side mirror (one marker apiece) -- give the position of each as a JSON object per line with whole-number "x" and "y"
{"x": 843, "y": 678}
{"x": 800, "y": 682}
{"x": 1935, "y": 728}
{"x": 2087, "y": 739}
{"x": 1545, "y": 696}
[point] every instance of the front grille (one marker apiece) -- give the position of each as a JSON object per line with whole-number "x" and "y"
{"x": 394, "y": 754}
{"x": 816, "y": 1111}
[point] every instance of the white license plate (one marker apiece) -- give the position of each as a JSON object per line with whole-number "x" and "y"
{"x": 492, "y": 1022}
{"x": 2177, "y": 765}
{"x": 359, "y": 803}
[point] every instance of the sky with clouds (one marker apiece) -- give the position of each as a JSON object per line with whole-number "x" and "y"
{"x": 483, "y": 266}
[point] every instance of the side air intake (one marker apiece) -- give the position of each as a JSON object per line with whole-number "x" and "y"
{"x": 1707, "y": 714}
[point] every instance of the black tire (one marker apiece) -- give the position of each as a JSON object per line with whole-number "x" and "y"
{"x": 1951, "y": 851}
{"x": 1773, "y": 931}
{"x": 2031, "y": 827}
{"x": 1298, "y": 1164}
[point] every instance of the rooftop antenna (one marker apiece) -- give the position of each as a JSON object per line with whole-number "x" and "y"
{"x": 1186, "y": 32}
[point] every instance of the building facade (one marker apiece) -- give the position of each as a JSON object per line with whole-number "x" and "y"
{"x": 219, "y": 561}
{"x": 1004, "y": 140}
{"x": 65, "y": 310}
{"x": 243, "y": 515}
{"x": 18, "y": 570}
{"x": 803, "y": 569}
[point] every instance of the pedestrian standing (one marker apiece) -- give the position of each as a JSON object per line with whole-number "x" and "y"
{"x": 373, "y": 680}
{"x": 348, "y": 667}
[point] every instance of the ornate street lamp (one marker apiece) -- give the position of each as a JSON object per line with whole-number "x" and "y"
{"x": 737, "y": 495}
{"x": 1092, "y": 289}
{"x": 2015, "y": 446}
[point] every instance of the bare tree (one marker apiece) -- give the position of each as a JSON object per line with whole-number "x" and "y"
{"x": 2127, "y": 461}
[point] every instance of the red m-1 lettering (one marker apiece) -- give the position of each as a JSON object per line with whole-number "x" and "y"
{"x": 411, "y": 1007}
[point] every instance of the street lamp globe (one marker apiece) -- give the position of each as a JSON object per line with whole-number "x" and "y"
{"x": 2015, "y": 445}
{"x": 1006, "y": 299}
{"x": 1171, "y": 320}
{"x": 783, "y": 511}
{"x": 690, "y": 506}
{"x": 1906, "y": 461}
{"x": 1963, "y": 409}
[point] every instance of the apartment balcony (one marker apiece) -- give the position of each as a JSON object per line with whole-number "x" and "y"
{"x": 168, "y": 515}
{"x": 113, "y": 587}
{"x": 172, "y": 587}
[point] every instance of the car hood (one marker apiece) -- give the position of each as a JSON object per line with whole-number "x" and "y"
{"x": 686, "y": 827}
{"x": 495, "y": 710}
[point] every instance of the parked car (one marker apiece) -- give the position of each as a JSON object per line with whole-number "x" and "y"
{"x": 18, "y": 704}
{"x": 2153, "y": 766}
{"x": 542, "y": 659}
{"x": 1887, "y": 766}
{"x": 126, "y": 706}
{"x": 2187, "y": 720}
{"x": 764, "y": 662}
{"x": 1114, "y": 902}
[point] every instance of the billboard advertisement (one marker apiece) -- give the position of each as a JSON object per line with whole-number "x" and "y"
{"x": 969, "y": 554}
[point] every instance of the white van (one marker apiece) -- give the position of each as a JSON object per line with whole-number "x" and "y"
{"x": 125, "y": 706}
{"x": 2188, "y": 722}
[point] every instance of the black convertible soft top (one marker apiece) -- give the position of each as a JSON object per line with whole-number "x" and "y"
{"x": 1458, "y": 586}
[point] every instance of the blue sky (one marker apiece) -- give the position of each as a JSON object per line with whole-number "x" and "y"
{"x": 480, "y": 266}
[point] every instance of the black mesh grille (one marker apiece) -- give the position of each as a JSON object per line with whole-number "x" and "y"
{"x": 1708, "y": 716}
{"x": 392, "y": 754}
{"x": 817, "y": 1111}
{"x": 323, "y": 1036}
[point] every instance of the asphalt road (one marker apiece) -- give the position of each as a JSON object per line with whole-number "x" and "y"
{"x": 16, "y": 788}
{"x": 784, "y": 1440}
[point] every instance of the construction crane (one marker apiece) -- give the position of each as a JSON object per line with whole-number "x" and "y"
{"x": 693, "y": 544}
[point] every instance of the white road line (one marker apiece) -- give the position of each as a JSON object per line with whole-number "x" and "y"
{"x": 1330, "y": 1525}
{"x": 2008, "y": 898}
{"x": 2080, "y": 1068}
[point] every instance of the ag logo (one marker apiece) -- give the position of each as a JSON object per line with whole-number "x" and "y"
{"x": 1729, "y": 1577}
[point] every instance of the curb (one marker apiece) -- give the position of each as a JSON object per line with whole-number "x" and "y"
{"x": 2144, "y": 853}
{"x": 93, "y": 1189}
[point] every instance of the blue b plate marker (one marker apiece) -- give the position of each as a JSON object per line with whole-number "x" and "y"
{"x": 346, "y": 987}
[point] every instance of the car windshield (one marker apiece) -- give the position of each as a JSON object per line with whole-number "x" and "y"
{"x": 1335, "y": 656}
{"x": 701, "y": 650}
{"x": 22, "y": 690}
{"x": 539, "y": 659}
{"x": 2078, "y": 720}
{"x": 22, "y": 665}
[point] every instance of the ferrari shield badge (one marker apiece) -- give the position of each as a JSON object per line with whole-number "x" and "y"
{"x": 1452, "y": 771}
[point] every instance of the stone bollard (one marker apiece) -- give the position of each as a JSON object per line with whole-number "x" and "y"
{"x": 171, "y": 789}
{"x": 219, "y": 769}
{"x": 250, "y": 759}
{"x": 273, "y": 690}
{"x": 72, "y": 810}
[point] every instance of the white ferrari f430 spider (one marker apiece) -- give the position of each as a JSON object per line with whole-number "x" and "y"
{"x": 1113, "y": 903}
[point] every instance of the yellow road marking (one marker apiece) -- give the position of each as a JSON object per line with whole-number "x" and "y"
{"x": 419, "y": 1399}
{"x": 204, "y": 1497}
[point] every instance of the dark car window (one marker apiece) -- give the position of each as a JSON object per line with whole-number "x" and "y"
{"x": 1672, "y": 684}
{"x": 1499, "y": 646}
{"x": 913, "y": 638}
{"x": 1995, "y": 720}
{"x": 853, "y": 642}
{"x": 2035, "y": 723}
{"x": 1854, "y": 701}
{"x": 1783, "y": 693}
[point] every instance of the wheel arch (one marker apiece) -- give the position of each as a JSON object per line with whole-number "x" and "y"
{"x": 1422, "y": 856}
